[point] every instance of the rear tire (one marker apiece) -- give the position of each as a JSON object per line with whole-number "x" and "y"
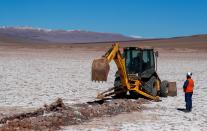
{"x": 164, "y": 88}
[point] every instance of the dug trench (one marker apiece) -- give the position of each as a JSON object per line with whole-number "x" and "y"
{"x": 58, "y": 114}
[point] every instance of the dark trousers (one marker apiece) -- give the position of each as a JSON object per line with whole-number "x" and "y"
{"x": 188, "y": 101}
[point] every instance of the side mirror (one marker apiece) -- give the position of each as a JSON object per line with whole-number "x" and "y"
{"x": 156, "y": 54}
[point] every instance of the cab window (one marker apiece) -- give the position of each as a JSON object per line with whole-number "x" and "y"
{"x": 148, "y": 59}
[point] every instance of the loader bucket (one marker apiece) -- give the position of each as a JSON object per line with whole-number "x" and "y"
{"x": 172, "y": 89}
{"x": 100, "y": 69}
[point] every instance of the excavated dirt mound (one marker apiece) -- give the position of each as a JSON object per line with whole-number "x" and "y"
{"x": 57, "y": 114}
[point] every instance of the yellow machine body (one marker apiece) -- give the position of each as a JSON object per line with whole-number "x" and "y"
{"x": 100, "y": 70}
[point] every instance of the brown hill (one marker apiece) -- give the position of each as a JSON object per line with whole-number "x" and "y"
{"x": 195, "y": 42}
{"x": 92, "y": 40}
{"x": 33, "y": 35}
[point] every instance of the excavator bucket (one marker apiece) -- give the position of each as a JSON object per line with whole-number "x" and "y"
{"x": 100, "y": 69}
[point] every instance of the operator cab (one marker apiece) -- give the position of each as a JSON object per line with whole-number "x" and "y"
{"x": 138, "y": 60}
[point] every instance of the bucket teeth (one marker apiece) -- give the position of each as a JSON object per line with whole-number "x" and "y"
{"x": 100, "y": 70}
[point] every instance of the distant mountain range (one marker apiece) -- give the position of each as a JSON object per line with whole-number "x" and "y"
{"x": 26, "y": 36}
{"x": 36, "y": 35}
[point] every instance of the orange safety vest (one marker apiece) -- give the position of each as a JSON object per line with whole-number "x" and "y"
{"x": 190, "y": 86}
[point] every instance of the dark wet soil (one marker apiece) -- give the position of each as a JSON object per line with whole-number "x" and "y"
{"x": 57, "y": 114}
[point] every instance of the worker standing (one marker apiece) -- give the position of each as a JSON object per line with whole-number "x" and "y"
{"x": 188, "y": 89}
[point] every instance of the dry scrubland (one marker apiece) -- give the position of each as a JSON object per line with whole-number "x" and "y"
{"x": 30, "y": 77}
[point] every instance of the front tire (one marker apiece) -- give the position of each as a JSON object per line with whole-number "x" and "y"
{"x": 119, "y": 90}
{"x": 149, "y": 86}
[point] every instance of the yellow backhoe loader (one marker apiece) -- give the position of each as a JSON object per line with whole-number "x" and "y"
{"x": 136, "y": 75}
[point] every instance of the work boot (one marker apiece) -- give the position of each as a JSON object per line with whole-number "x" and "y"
{"x": 187, "y": 110}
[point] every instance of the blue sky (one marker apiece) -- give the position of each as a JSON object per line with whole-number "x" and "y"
{"x": 146, "y": 18}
